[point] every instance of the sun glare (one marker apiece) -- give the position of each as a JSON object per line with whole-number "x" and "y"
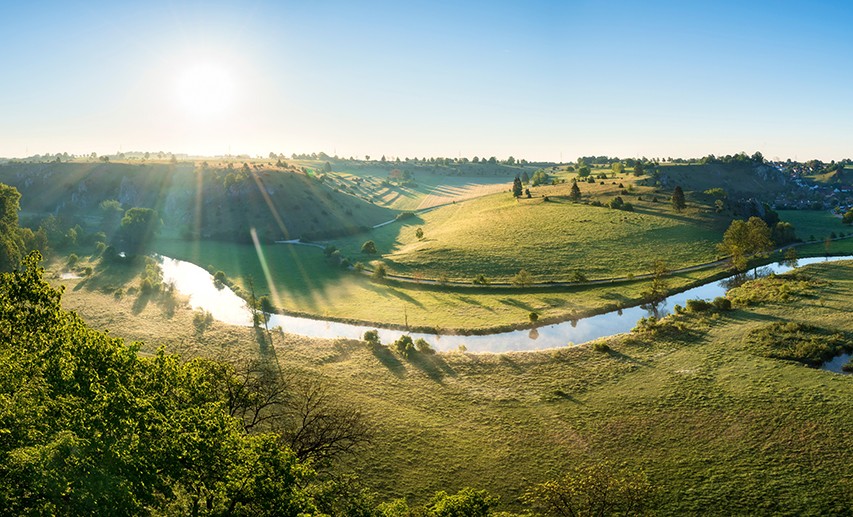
{"x": 205, "y": 89}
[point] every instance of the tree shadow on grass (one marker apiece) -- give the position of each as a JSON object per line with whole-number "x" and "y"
{"x": 141, "y": 302}
{"x": 515, "y": 303}
{"x": 434, "y": 366}
{"x": 625, "y": 357}
{"x": 405, "y": 297}
{"x": 387, "y": 358}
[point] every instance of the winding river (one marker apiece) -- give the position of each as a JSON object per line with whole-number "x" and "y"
{"x": 196, "y": 283}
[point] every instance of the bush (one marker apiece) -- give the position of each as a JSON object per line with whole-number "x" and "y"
{"x": 533, "y": 317}
{"x": 600, "y": 346}
{"x": 405, "y": 346}
{"x": 721, "y": 303}
{"x": 371, "y": 337}
{"x": 369, "y": 248}
{"x": 422, "y": 346}
{"x": 219, "y": 279}
{"x": 379, "y": 272}
{"x": 481, "y": 280}
{"x": 698, "y": 306}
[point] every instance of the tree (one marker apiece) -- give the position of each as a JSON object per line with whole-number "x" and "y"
{"x": 111, "y": 214}
{"x": 10, "y": 236}
{"x": 659, "y": 285}
{"x": 848, "y": 217}
{"x": 522, "y": 278}
{"x": 419, "y": 233}
{"x": 617, "y": 168}
{"x": 369, "y": 248}
{"x": 379, "y": 272}
{"x": 575, "y": 194}
{"x": 743, "y": 239}
{"x": 90, "y": 426}
{"x": 599, "y": 489}
{"x": 517, "y": 188}
{"x": 678, "y": 202}
{"x": 138, "y": 227}
{"x": 638, "y": 169}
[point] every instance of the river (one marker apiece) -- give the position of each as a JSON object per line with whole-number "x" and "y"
{"x": 196, "y": 283}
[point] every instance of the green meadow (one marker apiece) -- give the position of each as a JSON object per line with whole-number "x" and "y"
{"x": 716, "y": 424}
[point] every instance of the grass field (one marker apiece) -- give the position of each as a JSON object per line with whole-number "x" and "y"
{"x": 814, "y": 223}
{"x": 717, "y": 427}
{"x": 496, "y": 236}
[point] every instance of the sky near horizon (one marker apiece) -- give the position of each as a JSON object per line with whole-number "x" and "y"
{"x": 538, "y": 80}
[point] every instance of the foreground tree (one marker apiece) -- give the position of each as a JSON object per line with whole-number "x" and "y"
{"x": 10, "y": 240}
{"x": 89, "y": 427}
{"x": 599, "y": 489}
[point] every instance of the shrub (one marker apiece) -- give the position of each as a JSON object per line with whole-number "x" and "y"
{"x": 481, "y": 280}
{"x": 379, "y": 272}
{"x": 422, "y": 346}
{"x": 698, "y": 306}
{"x": 721, "y": 303}
{"x": 371, "y": 337}
{"x": 405, "y": 346}
{"x": 600, "y": 346}
{"x": 533, "y": 317}
{"x": 369, "y": 248}
{"x": 219, "y": 279}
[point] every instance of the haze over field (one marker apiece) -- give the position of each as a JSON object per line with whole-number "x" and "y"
{"x": 538, "y": 80}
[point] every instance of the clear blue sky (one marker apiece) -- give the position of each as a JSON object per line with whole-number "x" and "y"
{"x": 537, "y": 80}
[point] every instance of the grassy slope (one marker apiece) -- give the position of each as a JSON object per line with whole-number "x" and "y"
{"x": 278, "y": 203}
{"x": 717, "y": 427}
{"x": 497, "y": 235}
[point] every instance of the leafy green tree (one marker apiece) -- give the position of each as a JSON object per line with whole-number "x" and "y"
{"x": 848, "y": 217}
{"x": 617, "y": 168}
{"x": 111, "y": 215}
{"x": 90, "y": 427}
{"x": 639, "y": 170}
{"x": 599, "y": 489}
{"x": 419, "y": 233}
{"x": 10, "y": 236}
{"x": 743, "y": 239}
{"x": 678, "y": 201}
{"x": 138, "y": 228}
{"x": 583, "y": 171}
{"x": 369, "y": 248}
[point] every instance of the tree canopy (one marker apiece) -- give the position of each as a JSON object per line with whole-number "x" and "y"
{"x": 744, "y": 239}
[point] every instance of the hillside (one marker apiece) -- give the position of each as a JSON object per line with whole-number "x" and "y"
{"x": 739, "y": 180}
{"x": 195, "y": 201}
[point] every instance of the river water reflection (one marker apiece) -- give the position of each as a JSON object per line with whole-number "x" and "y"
{"x": 196, "y": 283}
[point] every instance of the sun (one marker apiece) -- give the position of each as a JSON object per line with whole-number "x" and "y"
{"x": 205, "y": 89}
